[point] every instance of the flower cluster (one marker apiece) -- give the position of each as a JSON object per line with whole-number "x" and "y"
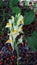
{"x": 15, "y": 25}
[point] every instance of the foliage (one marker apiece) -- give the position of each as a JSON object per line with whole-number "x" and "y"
{"x": 16, "y": 10}
{"x": 32, "y": 41}
{"x": 29, "y": 17}
{"x": 13, "y": 8}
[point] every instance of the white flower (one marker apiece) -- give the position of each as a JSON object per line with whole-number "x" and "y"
{"x": 12, "y": 19}
{"x": 20, "y": 28}
{"x": 20, "y": 20}
{"x": 15, "y": 29}
{"x": 14, "y": 34}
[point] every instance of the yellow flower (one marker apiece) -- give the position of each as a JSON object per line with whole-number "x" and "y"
{"x": 21, "y": 29}
{"x": 22, "y": 21}
{"x": 9, "y": 41}
{"x": 15, "y": 31}
{"x": 8, "y": 25}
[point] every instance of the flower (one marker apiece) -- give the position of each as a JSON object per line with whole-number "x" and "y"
{"x": 20, "y": 20}
{"x": 9, "y": 41}
{"x": 12, "y": 17}
{"x": 8, "y": 25}
{"x": 20, "y": 29}
{"x": 15, "y": 30}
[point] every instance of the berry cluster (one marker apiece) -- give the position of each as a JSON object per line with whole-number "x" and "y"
{"x": 26, "y": 57}
{"x": 7, "y": 55}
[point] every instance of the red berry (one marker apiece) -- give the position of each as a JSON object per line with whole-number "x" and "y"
{"x": 0, "y": 63}
{"x": 12, "y": 57}
{"x": 10, "y": 48}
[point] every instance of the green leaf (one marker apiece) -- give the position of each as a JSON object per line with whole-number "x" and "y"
{"x": 32, "y": 41}
{"x": 13, "y": 3}
{"x": 1, "y": 3}
{"x": 16, "y": 10}
{"x": 29, "y": 17}
{"x": 26, "y": 3}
